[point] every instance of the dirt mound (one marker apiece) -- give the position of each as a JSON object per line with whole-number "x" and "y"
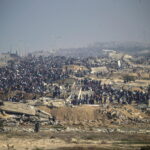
{"x": 125, "y": 114}
{"x": 95, "y": 116}
{"x": 99, "y": 114}
{"x": 79, "y": 113}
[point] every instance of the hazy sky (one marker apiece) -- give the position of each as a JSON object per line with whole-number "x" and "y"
{"x": 48, "y": 24}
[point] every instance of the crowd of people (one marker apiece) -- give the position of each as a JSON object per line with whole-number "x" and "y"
{"x": 108, "y": 94}
{"x": 32, "y": 75}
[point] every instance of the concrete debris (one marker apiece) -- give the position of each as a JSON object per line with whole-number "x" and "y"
{"x": 14, "y": 114}
{"x": 57, "y": 103}
{"x": 17, "y": 108}
{"x": 125, "y": 114}
{"x": 46, "y": 101}
{"x": 85, "y": 116}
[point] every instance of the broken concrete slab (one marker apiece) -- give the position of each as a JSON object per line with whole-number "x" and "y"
{"x": 17, "y": 108}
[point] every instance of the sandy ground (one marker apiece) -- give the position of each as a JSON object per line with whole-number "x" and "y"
{"x": 80, "y": 128}
{"x": 72, "y": 141}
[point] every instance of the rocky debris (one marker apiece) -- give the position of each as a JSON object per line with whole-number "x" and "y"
{"x": 74, "y": 140}
{"x": 43, "y": 114}
{"x": 84, "y": 116}
{"x": 89, "y": 116}
{"x": 125, "y": 114}
{"x": 46, "y": 101}
{"x": 14, "y": 114}
{"x": 57, "y": 103}
{"x": 17, "y": 108}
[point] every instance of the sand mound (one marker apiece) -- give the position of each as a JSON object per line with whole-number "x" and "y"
{"x": 99, "y": 114}
{"x": 79, "y": 113}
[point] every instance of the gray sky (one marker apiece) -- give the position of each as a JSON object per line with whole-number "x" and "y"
{"x": 49, "y": 24}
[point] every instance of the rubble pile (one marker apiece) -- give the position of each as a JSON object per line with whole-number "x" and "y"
{"x": 125, "y": 114}
{"x": 111, "y": 114}
{"x": 46, "y": 101}
{"x": 14, "y": 114}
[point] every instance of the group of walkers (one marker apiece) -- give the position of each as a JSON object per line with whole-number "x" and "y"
{"x": 32, "y": 75}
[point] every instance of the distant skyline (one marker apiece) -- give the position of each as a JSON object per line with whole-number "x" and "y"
{"x": 30, "y": 25}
